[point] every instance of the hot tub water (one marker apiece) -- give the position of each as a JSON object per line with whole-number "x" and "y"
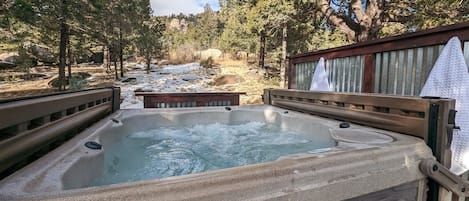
{"x": 172, "y": 151}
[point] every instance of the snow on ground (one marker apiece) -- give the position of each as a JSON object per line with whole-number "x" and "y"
{"x": 170, "y": 78}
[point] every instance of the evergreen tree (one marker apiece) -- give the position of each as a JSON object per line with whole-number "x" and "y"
{"x": 208, "y": 28}
{"x": 236, "y": 35}
{"x": 149, "y": 41}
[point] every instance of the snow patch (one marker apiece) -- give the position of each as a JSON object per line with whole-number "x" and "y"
{"x": 170, "y": 78}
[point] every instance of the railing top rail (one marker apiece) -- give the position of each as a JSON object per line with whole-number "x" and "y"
{"x": 187, "y": 94}
{"x": 7, "y": 100}
{"x": 402, "y": 114}
{"x": 31, "y": 108}
{"x": 435, "y": 36}
{"x": 429, "y": 118}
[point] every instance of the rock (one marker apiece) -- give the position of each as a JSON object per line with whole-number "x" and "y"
{"x": 36, "y": 76}
{"x": 227, "y": 79}
{"x": 86, "y": 64}
{"x": 81, "y": 75}
{"x": 190, "y": 77}
{"x": 143, "y": 90}
{"x": 176, "y": 24}
{"x": 78, "y": 75}
{"x": 11, "y": 57}
{"x": 130, "y": 79}
{"x": 139, "y": 67}
{"x": 6, "y": 65}
{"x": 163, "y": 62}
{"x": 98, "y": 57}
{"x": 255, "y": 74}
{"x": 241, "y": 55}
{"x": 92, "y": 79}
{"x": 214, "y": 53}
{"x": 213, "y": 71}
{"x": 41, "y": 53}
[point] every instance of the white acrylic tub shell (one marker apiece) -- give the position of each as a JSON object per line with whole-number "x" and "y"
{"x": 365, "y": 160}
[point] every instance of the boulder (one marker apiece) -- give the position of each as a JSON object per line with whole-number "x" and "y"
{"x": 190, "y": 77}
{"x": 130, "y": 79}
{"x": 228, "y": 79}
{"x": 163, "y": 62}
{"x": 54, "y": 82}
{"x": 41, "y": 53}
{"x": 143, "y": 90}
{"x": 10, "y": 57}
{"x": 6, "y": 65}
{"x": 205, "y": 54}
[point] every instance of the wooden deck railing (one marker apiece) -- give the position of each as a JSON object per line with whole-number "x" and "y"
{"x": 30, "y": 127}
{"x": 396, "y": 65}
{"x": 178, "y": 100}
{"x": 431, "y": 119}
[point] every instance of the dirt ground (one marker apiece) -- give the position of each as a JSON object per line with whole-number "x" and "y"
{"x": 252, "y": 83}
{"x": 236, "y": 76}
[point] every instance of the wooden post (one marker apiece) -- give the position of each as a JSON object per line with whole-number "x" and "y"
{"x": 369, "y": 74}
{"x": 291, "y": 74}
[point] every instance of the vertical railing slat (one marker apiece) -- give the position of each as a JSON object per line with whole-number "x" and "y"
{"x": 361, "y": 74}
{"x": 400, "y": 72}
{"x": 384, "y": 74}
{"x": 466, "y": 52}
{"x": 408, "y": 72}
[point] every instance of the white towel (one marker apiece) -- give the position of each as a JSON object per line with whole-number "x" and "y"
{"x": 320, "y": 80}
{"x": 449, "y": 78}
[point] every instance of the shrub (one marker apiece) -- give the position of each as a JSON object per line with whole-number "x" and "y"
{"x": 207, "y": 63}
{"x": 77, "y": 83}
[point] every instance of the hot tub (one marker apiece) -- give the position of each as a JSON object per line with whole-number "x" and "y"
{"x": 348, "y": 162}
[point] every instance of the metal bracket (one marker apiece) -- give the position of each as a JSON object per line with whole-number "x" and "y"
{"x": 458, "y": 185}
{"x": 452, "y": 119}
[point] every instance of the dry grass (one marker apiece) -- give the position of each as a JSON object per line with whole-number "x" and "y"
{"x": 253, "y": 85}
{"x": 231, "y": 62}
{"x": 20, "y": 88}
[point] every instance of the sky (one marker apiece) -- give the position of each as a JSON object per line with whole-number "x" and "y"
{"x": 168, "y": 7}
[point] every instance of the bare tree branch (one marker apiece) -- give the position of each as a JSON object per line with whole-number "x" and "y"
{"x": 343, "y": 23}
{"x": 357, "y": 8}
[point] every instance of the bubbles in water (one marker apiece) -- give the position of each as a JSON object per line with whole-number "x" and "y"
{"x": 173, "y": 151}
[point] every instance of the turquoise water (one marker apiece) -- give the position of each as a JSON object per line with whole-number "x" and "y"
{"x": 173, "y": 151}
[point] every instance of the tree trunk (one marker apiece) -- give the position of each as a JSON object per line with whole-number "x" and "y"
{"x": 69, "y": 55}
{"x": 262, "y": 51}
{"x": 283, "y": 66}
{"x": 148, "y": 57}
{"x": 115, "y": 69}
{"x": 365, "y": 25}
{"x": 109, "y": 58}
{"x": 62, "y": 54}
{"x": 106, "y": 57}
{"x": 121, "y": 52}
{"x": 7, "y": 19}
{"x": 113, "y": 58}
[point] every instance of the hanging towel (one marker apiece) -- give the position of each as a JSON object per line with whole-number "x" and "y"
{"x": 449, "y": 78}
{"x": 320, "y": 81}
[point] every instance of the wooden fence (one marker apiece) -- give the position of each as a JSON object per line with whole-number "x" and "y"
{"x": 179, "y": 100}
{"x": 396, "y": 65}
